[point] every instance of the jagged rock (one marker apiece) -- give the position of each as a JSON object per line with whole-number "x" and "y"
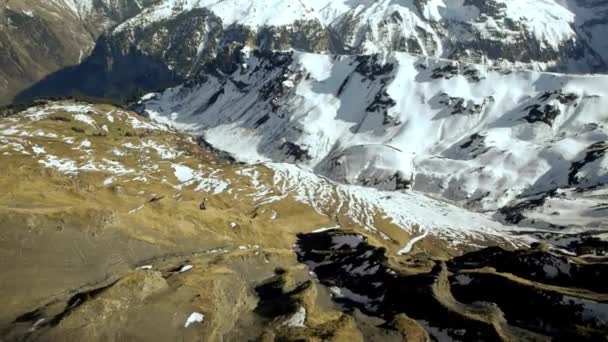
{"x": 359, "y": 276}
{"x": 180, "y": 39}
{"x": 593, "y": 153}
{"x": 40, "y": 37}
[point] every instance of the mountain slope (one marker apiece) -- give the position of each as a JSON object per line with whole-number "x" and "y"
{"x": 351, "y": 170}
{"x": 488, "y": 139}
{"x": 171, "y": 41}
{"x": 41, "y": 37}
{"x": 538, "y": 34}
{"x": 115, "y": 161}
{"x": 103, "y": 236}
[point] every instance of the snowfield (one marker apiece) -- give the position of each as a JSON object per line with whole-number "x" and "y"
{"x": 500, "y": 141}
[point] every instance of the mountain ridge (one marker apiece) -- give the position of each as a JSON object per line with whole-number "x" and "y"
{"x": 41, "y": 37}
{"x": 304, "y": 170}
{"x": 464, "y": 132}
{"x": 550, "y": 27}
{"x": 561, "y": 36}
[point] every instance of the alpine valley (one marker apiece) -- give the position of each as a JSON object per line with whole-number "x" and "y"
{"x": 304, "y": 170}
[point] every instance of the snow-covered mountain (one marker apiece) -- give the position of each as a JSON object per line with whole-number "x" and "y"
{"x": 169, "y": 41}
{"x": 547, "y": 34}
{"x": 382, "y": 93}
{"x": 414, "y": 160}
{"x": 527, "y": 146}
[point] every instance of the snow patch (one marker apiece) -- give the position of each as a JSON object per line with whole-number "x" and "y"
{"x": 194, "y": 317}
{"x": 297, "y": 319}
{"x": 186, "y": 268}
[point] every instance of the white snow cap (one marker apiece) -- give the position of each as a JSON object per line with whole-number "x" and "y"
{"x": 550, "y": 22}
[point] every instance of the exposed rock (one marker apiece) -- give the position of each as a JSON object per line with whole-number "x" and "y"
{"x": 39, "y": 37}
{"x": 471, "y": 302}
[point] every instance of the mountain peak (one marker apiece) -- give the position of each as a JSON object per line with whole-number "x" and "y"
{"x": 253, "y": 14}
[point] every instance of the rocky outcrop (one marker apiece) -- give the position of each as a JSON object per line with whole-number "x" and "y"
{"x": 39, "y": 37}
{"x": 486, "y": 138}
{"x": 464, "y": 299}
{"x": 183, "y": 36}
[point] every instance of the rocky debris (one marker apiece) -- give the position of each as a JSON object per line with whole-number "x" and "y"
{"x": 396, "y": 182}
{"x": 473, "y": 147}
{"x": 514, "y": 212}
{"x": 214, "y": 98}
{"x": 542, "y": 113}
{"x": 401, "y": 181}
{"x": 343, "y": 86}
{"x": 371, "y": 70}
{"x": 304, "y": 35}
{"x": 446, "y": 72}
{"x": 473, "y": 74}
{"x": 382, "y": 103}
{"x": 563, "y": 98}
{"x": 593, "y": 153}
{"x": 475, "y": 139}
{"x": 262, "y": 120}
{"x": 369, "y": 67}
{"x": 295, "y": 151}
{"x": 548, "y": 106}
{"x": 464, "y": 299}
{"x": 276, "y": 66}
{"x": 458, "y": 105}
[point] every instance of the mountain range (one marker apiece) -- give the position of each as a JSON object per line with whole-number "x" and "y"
{"x": 271, "y": 170}
{"x": 143, "y": 46}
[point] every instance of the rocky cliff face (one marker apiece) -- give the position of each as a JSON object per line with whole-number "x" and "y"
{"x": 515, "y": 143}
{"x": 34, "y": 43}
{"x": 550, "y": 35}
{"x": 41, "y": 37}
{"x": 182, "y": 36}
{"x": 137, "y": 57}
{"x": 557, "y": 35}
